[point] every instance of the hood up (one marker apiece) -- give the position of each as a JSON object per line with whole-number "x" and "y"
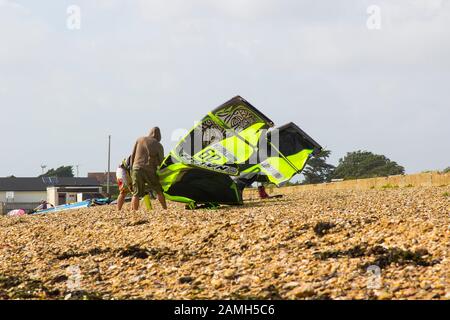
{"x": 155, "y": 133}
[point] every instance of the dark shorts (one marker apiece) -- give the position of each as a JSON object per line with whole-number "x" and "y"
{"x": 145, "y": 181}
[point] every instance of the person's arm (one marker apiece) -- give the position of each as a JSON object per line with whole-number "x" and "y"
{"x": 160, "y": 155}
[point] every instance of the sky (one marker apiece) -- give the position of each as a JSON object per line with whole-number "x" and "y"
{"x": 354, "y": 74}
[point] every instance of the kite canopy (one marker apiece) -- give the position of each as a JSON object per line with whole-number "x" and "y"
{"x": 230, "y": 148}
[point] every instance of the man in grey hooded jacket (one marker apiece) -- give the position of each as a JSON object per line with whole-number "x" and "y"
{"x": 147, "y": 156}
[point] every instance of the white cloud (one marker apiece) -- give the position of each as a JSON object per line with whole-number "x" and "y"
{"x": 159, "y": 10}
{"x": 11, "y": 4}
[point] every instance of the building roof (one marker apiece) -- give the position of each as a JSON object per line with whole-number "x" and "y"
{"x": 101, "y": 177}
{"x": 41, "y": 184}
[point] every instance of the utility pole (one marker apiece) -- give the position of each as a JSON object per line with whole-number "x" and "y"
{"x": 43, "y": 166}
{"x": 77, "y": 166}
{"x": 109, "y": 164}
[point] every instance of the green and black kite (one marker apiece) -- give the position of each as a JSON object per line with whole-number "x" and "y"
{"x": 228, "y": 150}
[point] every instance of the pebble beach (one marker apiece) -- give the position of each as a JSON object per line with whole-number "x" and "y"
{"x": 369, "y": 244}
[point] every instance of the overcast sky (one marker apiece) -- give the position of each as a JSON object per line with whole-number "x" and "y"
{"x": 135, "y": 64}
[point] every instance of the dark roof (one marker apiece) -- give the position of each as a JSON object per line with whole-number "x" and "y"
{"x": 41, "y": 184}
{"x": 102, "y": 177}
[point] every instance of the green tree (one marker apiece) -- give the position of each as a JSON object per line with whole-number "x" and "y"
{"x": 365, "y": 164}
{"x": 317, "y": 170}
{"x": 63, "y": 171}
{"x": 447, "y": 170}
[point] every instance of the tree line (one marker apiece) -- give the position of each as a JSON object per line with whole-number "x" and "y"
{"x": 354, "y": 165}
{"x": 63, "y": 171}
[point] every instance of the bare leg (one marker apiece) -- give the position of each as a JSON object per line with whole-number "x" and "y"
{"x": 120, "y": 201}
{"x": 135, "y": 203}
{"x": 162, "y": 200}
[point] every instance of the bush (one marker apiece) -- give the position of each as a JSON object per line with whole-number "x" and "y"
{"x": 365, "y": 164}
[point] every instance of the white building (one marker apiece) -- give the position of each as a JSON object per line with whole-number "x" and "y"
{"x": 27, "y": 193}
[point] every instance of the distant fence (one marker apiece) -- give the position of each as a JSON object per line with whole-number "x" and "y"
{"x": 5, "y": 207}
{"x": 413, "y": 180}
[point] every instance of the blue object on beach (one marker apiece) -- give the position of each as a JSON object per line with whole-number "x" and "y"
{"x": 77, "y": 205}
